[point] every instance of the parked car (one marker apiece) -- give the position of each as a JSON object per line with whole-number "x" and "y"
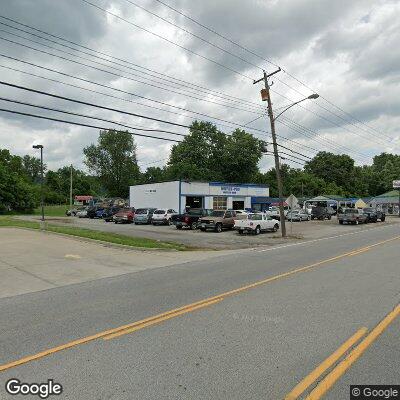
{"x": 163, "y": 216}
{"x": 274, "y": 212}
{"x": 190, "y": 218}
{"x": 108, "y": 213}
{"x": 71, "y": 212}
{"x": 256, "y": 223}
{"x": 242, "y": 212}
{"x": 219, "y": 220}
{"x": 95, "y": 212}
{"x": 352, "y": 216}
{"x": 82, "y": 213}
{"x": 373, "y": 214}
{"x": 124, "y": 216}
{"x": 144, "y": 215}
{"x": 320, "y": 213}
{"x": 298, "y": 215}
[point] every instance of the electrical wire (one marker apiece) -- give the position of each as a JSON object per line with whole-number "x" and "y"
{"x": 81, "y": 124}
{"x": 153, "y": 73}
{"x": 252, "y": 52}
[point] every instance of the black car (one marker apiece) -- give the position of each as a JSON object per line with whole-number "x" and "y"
{"x": 109, "y": 213}
{"x": 320, "y": 213}
{"x": 374, "y": 215}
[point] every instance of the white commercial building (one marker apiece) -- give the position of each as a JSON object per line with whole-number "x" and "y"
{"x": 181, "y": 194}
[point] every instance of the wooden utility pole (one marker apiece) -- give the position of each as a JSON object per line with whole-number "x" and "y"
{"x": 265, "y": 93}
{"x": 70, "y": 190}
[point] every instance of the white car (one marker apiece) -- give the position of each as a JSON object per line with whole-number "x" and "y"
{"x": 275, "y": 213}
{"x": 256, "y": 223}
{"x": 162, "y": 216}
{"x": 82, "y": 213}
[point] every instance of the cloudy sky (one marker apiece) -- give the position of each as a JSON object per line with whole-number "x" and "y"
{"x": 346, "y": 51}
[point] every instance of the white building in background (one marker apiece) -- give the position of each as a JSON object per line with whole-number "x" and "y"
{"x": 181, "y": 194}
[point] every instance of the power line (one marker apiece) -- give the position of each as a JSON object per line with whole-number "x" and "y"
{"x": 119, "y": 90}
{"x": 167, "y": 40}
{"x": 120, "y": 76}
{"x": 90, "y": 117}
{"x": 81, "y": 124}
{"x": 157, "y": 73}
{"x": 167, "y": 88}
{"x": 252, "y": 52}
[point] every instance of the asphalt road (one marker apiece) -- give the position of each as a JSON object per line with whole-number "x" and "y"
{"x": 297, "y": 305}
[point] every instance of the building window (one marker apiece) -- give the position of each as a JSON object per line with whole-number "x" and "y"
{"x": 219, "y": 202}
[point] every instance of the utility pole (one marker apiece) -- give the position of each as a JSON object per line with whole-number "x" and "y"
{"x": 70, "y": 190}
{"x": 39, "y": 146}
{"x": 265, "y": 93}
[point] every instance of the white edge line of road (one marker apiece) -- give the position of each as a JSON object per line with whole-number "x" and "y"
{"x": 321, "y": 239}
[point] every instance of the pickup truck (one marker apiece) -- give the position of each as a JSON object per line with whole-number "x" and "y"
{"x": 256, "y": 223}
{"x": 352, "y": 216}
{"x": 274, "y": 212}
{"x": 190, "y": 218}
{"x": 219, "y": 219}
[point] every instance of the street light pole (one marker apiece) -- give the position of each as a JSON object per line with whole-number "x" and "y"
{"x": 265, "y": 94}
{"x": 39, "y": 146}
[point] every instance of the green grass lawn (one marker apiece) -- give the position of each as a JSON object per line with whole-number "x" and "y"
{"x": 91, "y": 234}
{"x": 52, "y": 211}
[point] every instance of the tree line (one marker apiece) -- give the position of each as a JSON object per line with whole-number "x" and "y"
{"x": 205, "y": 154}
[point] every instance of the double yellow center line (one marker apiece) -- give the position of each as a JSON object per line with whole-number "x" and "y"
{"x": 329, "y": 380}
{"x": 135, "y": 326}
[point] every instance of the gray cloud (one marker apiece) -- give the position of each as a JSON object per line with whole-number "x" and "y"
{"x": 339, "y": 48}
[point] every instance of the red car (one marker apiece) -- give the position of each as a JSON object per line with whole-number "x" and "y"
{"x": 124, "y": 216}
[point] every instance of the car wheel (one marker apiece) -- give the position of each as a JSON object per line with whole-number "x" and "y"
{"x": 241, "y": 231}
{"x": 218, "y": 228}
{"x": 275, "y": 228}
{"x": 193, "y": 226}
{"x": 178, "y": 227}
{"x": 383, "y": 219}
{"x": 257, "y": 231}
{"x": 203, "y": 229}
{"x": 169, "y": 222}
{"x": 340, "y": 222}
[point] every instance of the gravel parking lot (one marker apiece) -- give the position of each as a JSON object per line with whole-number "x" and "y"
{"x": 226, "y": 239}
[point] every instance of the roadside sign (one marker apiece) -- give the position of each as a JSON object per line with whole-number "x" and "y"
{"x": 292, "y": 201}
{"x": 396, "y": 184}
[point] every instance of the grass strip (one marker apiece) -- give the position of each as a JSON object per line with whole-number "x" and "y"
{"x": 96, "y": 235}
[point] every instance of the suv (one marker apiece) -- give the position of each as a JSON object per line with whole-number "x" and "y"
{"x": 218, "y": 220}
{"x": 352, "y": 216}
{"x": 162, "y": 216}
{"x": 144, "y": 215}
{"x": 320, "y": 213}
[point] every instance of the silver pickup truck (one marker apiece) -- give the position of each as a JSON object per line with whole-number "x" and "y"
{"x": 352, "y": 216}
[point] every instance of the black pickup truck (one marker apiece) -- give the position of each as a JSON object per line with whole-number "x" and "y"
{"x": 190, "y": 219}
{"x": 373, "y": 215}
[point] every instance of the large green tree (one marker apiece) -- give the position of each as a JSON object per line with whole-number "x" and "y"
{"x": 209, "y": 154}
{"x": 114, "y": 161}
{"x": 16, "y": 191}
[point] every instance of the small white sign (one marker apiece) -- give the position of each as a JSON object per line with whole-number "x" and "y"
{"x": 396, "y": 184}
{"x": 292, "y": 201}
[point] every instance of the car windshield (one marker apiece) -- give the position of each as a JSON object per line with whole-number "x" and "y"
{"x": 368, "y": 210}
{"x": 293, "y": 212}
{"x": 217, "y": 213}
{"x": 141, "y": 211}
{"x": 254, "y": 217}
{"x": 159, "y": 212}
{"x": 350, "y": 211}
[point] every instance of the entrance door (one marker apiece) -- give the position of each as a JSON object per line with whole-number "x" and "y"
{"x": 238, "y": 204}
{"x": 194, "y": 202}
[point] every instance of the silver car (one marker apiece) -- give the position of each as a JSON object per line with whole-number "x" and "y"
{"x": 143, "y": 215}
{"x": 298, "y": 215}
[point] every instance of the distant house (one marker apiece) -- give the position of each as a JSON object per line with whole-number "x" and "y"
{"x": 387, "y": 202}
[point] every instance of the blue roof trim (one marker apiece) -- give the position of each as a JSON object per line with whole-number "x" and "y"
{"x": 238, "y": 184}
